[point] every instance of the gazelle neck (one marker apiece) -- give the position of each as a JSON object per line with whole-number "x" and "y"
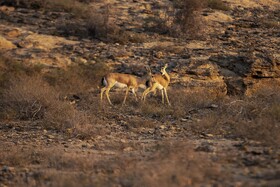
{"x": 166, "y": 76}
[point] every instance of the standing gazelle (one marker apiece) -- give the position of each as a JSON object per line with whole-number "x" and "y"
{"x": 121, "y": 80}
{"x": 161, "y": 82}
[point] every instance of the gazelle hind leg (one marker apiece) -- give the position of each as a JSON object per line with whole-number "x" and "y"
{"x": 166, "y": 97}
{"x": 101, "y": 93}
{"x": 107, "y": 95}
{"x": 126, "y": 92}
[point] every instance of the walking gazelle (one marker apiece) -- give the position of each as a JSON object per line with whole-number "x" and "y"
{"x": 121, "y": 80}
{"x": 158, "y": 81}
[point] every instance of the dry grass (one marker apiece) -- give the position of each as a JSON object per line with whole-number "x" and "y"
{"x": 187, "y": 19}
{"x": 183, "y": 19}
{"x": 74, "y": 6}
{"x": 217, "y": 4}
{"x": 35, "y": 4}
{"x": 162, "y": 165}
{"x": 77, "y": 78}
{"x": 270, "y": 24}
{"x": 255, "y": 118}
{"x": 31, "y": 98}
{"x": 182, "y": 103}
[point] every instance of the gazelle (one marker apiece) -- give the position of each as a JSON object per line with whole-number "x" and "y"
{"x": 158, "y": 81}
{"x": 121, "y": 80}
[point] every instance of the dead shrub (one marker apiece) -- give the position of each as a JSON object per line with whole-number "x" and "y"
{"x": 183, "y": 19}
{"x": 187, "y": 19}
{"x": 77, "y": 78}
{"x": 217, "y": 4}
{"x": 154, "y": 109}
{"x": 31, "y": 98}
{"x": 270, "y": 24}
{"x": 70, "y": 28}
{"x": 10, "y": 68}
{"x": 165, "y": 167}
{"x": 100, "y": 25}
{"x": 77, "y": 8}
{"x": 254, "y": 118}
{"x": 35, "y": 4}
{"x": 182, "y": 103}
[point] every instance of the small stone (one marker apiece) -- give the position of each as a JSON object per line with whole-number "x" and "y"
{"x": 205, "y": 147}
{"x": 213, "y": 106}
{"x": 50, "y": 136}
{"x": 128, "y": 149}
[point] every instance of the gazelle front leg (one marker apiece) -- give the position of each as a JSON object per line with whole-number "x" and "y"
{"x": 162, "y": 97}
{"x": 148, "y": 90}
{"x": 133, "y": 91}
{"x": 144, "y": 94}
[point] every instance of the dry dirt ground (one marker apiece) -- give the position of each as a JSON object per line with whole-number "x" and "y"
{"x": 208, "y": 137}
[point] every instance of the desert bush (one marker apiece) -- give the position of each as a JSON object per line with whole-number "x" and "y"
{"x": 187, "y": 17}
{"x": 183, "y": 19}
{"x": 182, "y": 103}
{"x": 100, "y": 25}
{"x": 10, "y": 69}
{"x": 270, "y": 24}
{"x": 166, "y": 167}
{"x": 74, "y": 6}
{"x": 31, "y": 98}
{"x": 217, "y": 4}
{"x": 77, "y": 78}
{"x": 166, "y": 163}
{"x": 253, "y": 118}
{"x": 35, "y": 4}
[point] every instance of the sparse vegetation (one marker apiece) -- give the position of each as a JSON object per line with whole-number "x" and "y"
{"x": 78, "y": 77}
{"x": 187, "y": 18}
{"x": 217, "y": 4}
{"x": 182, "y": 20}
{"x": 54, "y": 131}
{"x": 22, "y": 102}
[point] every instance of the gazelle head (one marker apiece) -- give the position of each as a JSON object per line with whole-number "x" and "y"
{"x": 163, "y": 72}
{"x": 149, "y": 72}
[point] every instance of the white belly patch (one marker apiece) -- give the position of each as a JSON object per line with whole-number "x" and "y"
{"x": 159, "y": 87}
{"x": 120, "y": 85}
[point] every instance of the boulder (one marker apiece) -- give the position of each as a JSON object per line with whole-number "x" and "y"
{"x": 6, "y": 44}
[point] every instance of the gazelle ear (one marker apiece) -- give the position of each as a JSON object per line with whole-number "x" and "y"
{"x": 165, "y": 66}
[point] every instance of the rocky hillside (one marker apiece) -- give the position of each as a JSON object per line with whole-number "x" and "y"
{"x": 54, "y": 131}
{"x": 238, "y": 52}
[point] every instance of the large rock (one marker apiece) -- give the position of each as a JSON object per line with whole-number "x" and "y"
{"x": 6, "y": 44}
{"x": 266, "y": 66}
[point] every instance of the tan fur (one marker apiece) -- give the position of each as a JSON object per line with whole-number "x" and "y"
{"x": 161, "y": 82}
{"x": 130, "y": 81}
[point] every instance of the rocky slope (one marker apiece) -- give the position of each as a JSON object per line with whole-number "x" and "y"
{"x": 201, "y": 140}
{"x": 240, "y": 49}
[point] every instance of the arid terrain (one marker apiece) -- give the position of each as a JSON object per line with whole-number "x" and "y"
{"x": 223, "y": 125}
